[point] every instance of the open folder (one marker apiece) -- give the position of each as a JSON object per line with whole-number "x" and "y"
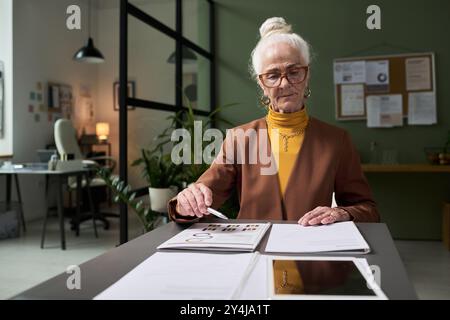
{"x": 342, "y": 237}
{"x": 218, "y": 236}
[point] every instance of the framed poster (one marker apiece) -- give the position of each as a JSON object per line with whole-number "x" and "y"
{"x": 131, "y": 94}
{"x": 60, "y": 99}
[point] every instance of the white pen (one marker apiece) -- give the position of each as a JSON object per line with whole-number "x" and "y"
{"x": 217, "y": 213}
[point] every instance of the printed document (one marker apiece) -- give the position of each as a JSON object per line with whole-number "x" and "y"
{"x": 337, "y": 237}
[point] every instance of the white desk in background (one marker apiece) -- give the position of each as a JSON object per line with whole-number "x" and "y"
{"x": 61, "y": 178}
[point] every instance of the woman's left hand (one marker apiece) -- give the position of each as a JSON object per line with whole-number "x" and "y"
{"x": 324, "y": 215}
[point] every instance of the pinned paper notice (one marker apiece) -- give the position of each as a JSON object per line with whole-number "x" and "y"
{"x": 352, "y": 99}
{"x": 349, "y": 72}
{"x": 377, "y": 76}
{"x": 384, "y": 111}
{"x": 421, "y": 108}
{"x": 418, "y": 74}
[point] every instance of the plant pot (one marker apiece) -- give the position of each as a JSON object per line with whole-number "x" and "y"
{"x": 160, "y": 196}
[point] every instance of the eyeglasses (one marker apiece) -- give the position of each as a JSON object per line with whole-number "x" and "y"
{"x": 294, "y": 75}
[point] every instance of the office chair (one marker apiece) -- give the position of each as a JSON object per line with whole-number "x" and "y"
{"x": 66, "y": 143}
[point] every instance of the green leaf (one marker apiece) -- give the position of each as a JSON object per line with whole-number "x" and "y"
{"x": 115, "y": 181}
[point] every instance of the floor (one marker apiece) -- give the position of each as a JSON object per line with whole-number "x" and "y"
{"x": 428, "y": 266}
{"x": 25, "y": 265}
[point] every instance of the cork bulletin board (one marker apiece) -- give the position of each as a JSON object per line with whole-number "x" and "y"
{"x": 404, "y": 75}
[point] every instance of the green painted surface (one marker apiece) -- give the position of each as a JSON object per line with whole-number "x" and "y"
{"x": 409, "y": 203}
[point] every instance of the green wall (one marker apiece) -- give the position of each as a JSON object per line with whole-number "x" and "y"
{"x": 409, "y": 203}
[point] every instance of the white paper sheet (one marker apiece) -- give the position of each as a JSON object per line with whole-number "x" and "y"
{"x": 418, "y": 74}
{"x": 422, "y": 108}
{"x": 377, "y": 76}
{"x": 384, "y": 111}
{"x": 352, "y": 100}
{"x": 255, "y": 287}
{"x": 337, "y": 237}
{"x": 349, "y": 72}
{"x": 183, "y": 276}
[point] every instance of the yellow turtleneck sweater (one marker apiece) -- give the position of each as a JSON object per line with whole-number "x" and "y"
{"x": 288, "y": 279}
{"x": 287, "y": 124}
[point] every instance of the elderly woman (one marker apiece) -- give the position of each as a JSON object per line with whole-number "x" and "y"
{"x": 314, "y": 159}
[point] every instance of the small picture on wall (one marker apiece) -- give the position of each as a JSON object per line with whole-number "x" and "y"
{"x": 60, "y": 99}
{"x": 53, "y": 98}
{"x": 131, "y": 94}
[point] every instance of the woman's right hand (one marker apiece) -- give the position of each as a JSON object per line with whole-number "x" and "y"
{"x": 194, "y": 200}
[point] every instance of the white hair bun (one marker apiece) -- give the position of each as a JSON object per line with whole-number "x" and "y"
{"x": 274, "y": 25}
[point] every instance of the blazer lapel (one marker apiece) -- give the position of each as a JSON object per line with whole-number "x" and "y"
{"x": 270, "y": 185}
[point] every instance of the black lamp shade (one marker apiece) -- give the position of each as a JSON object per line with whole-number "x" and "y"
{"x": 89, "y": 54}
{"x": 187, "y": 56}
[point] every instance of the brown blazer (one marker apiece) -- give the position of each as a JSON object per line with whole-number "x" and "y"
{"x": 328, "y": 162}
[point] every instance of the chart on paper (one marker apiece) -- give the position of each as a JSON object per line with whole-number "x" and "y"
{"x": 239, "y": 236}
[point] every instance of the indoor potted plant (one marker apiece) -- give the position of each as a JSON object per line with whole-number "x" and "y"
{"x": 162, "y": 176}
{"x": 189, "y": 173}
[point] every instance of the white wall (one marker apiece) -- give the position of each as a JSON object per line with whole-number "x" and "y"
{"x": 43, "y": 50}
{"x": 6, "y": 56}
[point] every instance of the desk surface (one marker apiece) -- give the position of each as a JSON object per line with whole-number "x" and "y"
{"x": 42, "y": 171}
{"x": 101, "y": 272}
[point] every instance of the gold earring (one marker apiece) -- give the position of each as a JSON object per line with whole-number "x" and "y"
{"x": 308, "y": 92}
{"x": 265, "y": 100}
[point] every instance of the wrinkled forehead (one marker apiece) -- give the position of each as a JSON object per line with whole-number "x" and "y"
{"x": 279, "y": 56}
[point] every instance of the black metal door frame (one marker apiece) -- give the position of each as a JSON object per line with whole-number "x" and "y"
{"x": 124, "y": 101}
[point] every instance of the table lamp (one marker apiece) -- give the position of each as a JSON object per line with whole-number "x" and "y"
{"x": 102, "y": 130}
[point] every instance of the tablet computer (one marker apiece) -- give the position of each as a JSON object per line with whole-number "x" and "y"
{"x": 327, "y": 278}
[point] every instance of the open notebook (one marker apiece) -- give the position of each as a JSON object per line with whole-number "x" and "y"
{"x": 342, "y": 237}
{"x": 218, "y": 236}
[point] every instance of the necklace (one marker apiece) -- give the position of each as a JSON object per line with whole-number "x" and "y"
{"x": 284, "y": 282}
{"x": 286, "y": 137}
